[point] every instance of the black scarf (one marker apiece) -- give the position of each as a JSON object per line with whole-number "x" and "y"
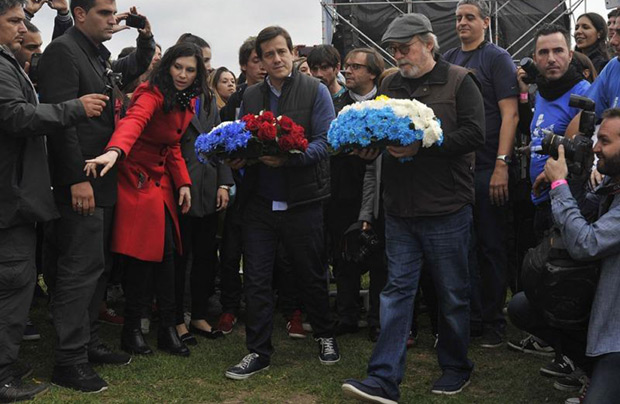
{"x": 552, "y": 90}
{"x": 184, "y": 98}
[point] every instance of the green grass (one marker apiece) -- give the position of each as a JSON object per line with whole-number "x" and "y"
{"x": 295, "y": 376}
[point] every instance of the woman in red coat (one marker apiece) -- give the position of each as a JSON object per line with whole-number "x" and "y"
{"x": 152, "y": 171}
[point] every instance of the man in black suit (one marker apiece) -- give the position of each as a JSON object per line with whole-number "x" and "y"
{"x": 25, "y": 189}
{"x": 74, "y": 64}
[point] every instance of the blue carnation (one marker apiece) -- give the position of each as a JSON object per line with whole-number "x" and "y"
{"x": 222, "y": 139}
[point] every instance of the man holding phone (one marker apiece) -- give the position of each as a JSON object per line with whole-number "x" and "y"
{"x": 63, "y": 20}
{"x": 73, "y": 64}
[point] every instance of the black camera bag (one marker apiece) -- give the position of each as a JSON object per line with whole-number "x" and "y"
{"x": 560, "y": 286}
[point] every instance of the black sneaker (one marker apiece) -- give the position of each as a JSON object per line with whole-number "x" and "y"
{"x": 80, "y": 377}
{"x": 491, "y": 338}
{"x": 102, "y": 355}
{"x": 249, "y": 365}
{"x": 30, "y": 332}
{"x": 531, "y": 345}
{"x": 558, "y": 367}
{"x": 15, "y": 390}
{"x": 328, "y": 350}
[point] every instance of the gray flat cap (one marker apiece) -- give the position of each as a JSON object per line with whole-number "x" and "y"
{"x": 405, "y": 26}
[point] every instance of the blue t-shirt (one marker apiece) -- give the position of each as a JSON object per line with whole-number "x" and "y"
{"x": 553, "y": 116}
{"x": 606, "y": 88}
{"x": 496, "y": 72}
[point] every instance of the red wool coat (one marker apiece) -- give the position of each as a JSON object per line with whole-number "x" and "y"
{"x": 149, "y": 176}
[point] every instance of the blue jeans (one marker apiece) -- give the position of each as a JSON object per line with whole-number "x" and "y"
{"x": 441, "y": 243}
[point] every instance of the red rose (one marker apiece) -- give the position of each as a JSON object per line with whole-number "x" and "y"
{"x": 266, "y": 131}
{"x": 251, "y": 123}
{"x": 293, "y": 141}
{"x": 267, "y": 116}
{"x": 286, "y": 123}
{"x": 301, "y": 143}
{"x": 298, "y": 131}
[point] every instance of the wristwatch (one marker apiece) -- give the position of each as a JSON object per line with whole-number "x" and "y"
{"x": 226, "y": 187}
{"x": 504, "y": 157}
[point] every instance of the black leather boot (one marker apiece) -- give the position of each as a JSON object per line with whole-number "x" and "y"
{"x": 132, "y": 341}
{"x": 168, "y": 340}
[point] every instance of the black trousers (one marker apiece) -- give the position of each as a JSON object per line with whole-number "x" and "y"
{"x": 488, "y": 262}
{"x": 604, "y": 387}
{"x": 17, "y": 280}
{"x": 198, "y": 238}
{"x": 137, "y": 285}
{"x": 300, "y": 230}
{"x": 231, "y": 249}
{"x": 77, "y": 264}
{"x": 528, "y": 317}
{"x": 341, "y": 214}
{"x": 231, "y": 286}
{"x": 284, "y": 282}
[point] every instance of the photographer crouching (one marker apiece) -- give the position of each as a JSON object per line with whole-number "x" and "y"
{"x": 588, "y": 241}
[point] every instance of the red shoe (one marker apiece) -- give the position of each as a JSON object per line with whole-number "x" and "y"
{"x": 109, "y": 316}
{"x": 412, "y": 340}
{"x": 295, "y": 327}
{"x": 226, "y": 323}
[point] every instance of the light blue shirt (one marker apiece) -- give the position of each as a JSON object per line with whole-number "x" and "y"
{"x": 606, "y": 88}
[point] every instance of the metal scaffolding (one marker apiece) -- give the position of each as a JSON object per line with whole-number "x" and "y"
{"x": 331, "y": 17}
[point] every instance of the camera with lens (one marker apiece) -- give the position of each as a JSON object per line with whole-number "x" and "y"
{"x": 530, "y": 68}
{"x": 578, "y": 150}
{"x": 369, "y": 243}
{"x": 360, "y": 245}
{"x": 112, "y": 80}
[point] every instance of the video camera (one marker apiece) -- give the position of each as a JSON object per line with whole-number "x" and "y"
{"x": 578, "y": 150}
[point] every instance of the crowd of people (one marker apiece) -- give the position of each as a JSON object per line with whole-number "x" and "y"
{"x": 101, "y": 185}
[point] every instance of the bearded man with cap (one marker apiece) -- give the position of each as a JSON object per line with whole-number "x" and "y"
{"x": 428, "y": 197}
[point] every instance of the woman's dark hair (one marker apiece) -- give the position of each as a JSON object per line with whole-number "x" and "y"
{"x": 195, "y": 39}
{"x": 600, "y": 25}
{"x": 126, "y": 51}
{"x": 581, "y": 63}
{"x": 160, "y": 76}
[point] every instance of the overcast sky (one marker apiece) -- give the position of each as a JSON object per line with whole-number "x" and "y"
{"x": 225, "y": 24}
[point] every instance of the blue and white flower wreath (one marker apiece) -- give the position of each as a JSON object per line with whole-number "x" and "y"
{"x": 382, "y": 122}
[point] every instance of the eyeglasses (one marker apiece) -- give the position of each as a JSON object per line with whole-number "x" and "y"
{"x": 402, "y": 48}
{"x": 354, "y": 66}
